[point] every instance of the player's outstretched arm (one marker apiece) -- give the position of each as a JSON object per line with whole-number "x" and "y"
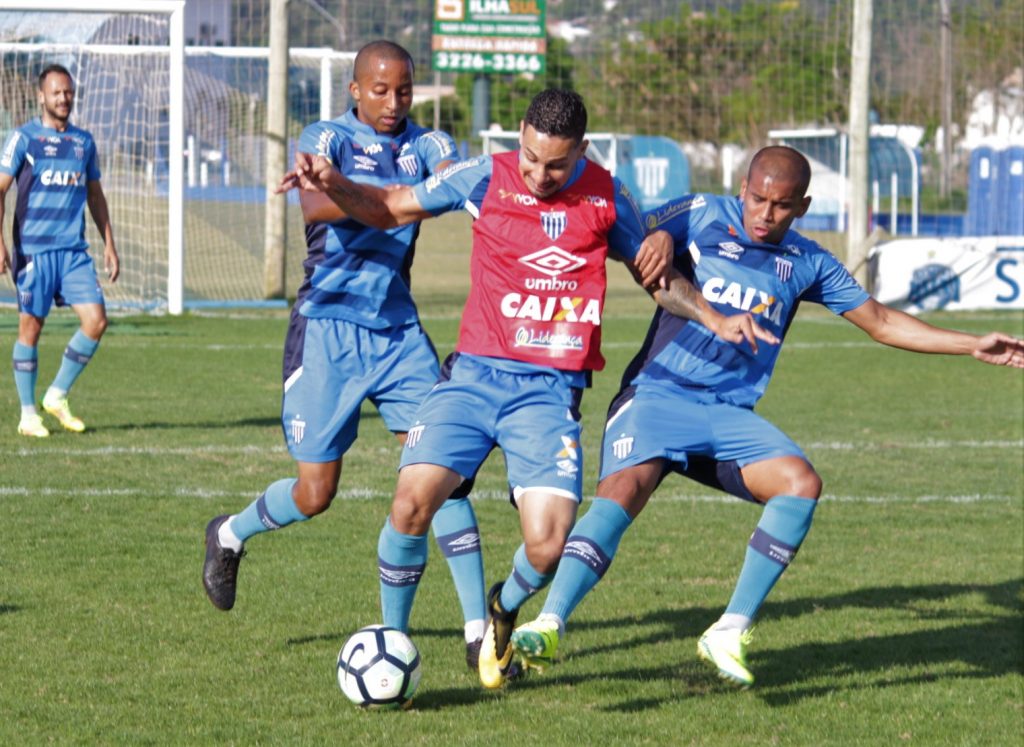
{"x": 901, "y": 330}
{"x": 1000, "y": 350}
{"x": 373, "y": 206}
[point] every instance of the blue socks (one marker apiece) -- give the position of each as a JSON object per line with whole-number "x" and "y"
{"x": 523, "y": 583}
{"x": 26, "y": 370}
{"x": 784, "y": 524}
{"x": 401, "y": 559}
{"x": 274, "y": 509}
{"x": 458, "y": 536}
{"x": 77, "y": 355}
{"x": 587, "y": 555}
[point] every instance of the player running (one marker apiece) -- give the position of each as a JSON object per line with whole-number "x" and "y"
{"x": 55, "y": 165}
{"x": 546, "y": 221}
{"x": 746, "y": 261}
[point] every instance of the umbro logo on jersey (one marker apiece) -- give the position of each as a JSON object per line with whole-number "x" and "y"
{"x": 554, "y": 223}
{"x": 730, "y": 249}
{"x": 298, "y": 430}
{"x": 553, "y": 261}
{"x": 622, "y": 447}
{"x": 413, "y": 436}
{"x": 49, "y": 151}
{"x": 364, "y": 163}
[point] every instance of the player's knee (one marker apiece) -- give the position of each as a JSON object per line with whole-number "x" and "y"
{"x": 544, "y": 554}
{"x": 409, "y": 514}
{"x": 314, "y": 496}
{"x": 805, "y": 484}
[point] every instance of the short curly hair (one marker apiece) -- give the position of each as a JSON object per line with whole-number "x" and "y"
{"x": 558, "y": 112}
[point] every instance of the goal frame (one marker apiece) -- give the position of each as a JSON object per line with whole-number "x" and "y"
{"x": 175, "y": 10}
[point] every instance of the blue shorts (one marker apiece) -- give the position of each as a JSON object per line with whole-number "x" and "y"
{"x": 533, "y": 417}
{"x": 332, "y": 366}
{"x": 66, "y": 277}
{"x": 707, "y": 441}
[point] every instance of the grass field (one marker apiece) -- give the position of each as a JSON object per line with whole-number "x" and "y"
{"x": 900, "y": 622}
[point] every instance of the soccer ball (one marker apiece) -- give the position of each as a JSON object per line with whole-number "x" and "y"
{"x": 379, "y": 666}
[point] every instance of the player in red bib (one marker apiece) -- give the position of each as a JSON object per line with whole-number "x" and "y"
{"x": 547, "y": 219}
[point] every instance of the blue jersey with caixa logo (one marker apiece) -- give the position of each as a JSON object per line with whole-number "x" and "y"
{"x": 735, "y": 274}
{"x": 353, "y": 271}
{"x": 51, "y": 169}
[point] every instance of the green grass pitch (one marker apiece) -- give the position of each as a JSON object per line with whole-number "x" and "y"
{"x": 900, "y": 622}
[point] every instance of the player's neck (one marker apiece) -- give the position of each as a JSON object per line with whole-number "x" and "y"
{"x": 60, "y": 125}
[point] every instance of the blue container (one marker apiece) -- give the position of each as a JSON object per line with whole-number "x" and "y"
{"x": 1009, "y": 215}
{"x": 981, "y": 187}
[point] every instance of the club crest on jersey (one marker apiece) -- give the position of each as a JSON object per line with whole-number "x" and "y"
{"x": 409, "y": 164}
{"x": 298, "y": 429}
{"x": 554, "y": 223}
{"x": 730, "y": 249}
{"x": 553, "y": 261}
{"x": 783, "y": 268}
{"x": 79, "y": 152}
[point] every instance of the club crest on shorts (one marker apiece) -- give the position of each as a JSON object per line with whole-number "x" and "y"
{"x": 554, "y": 223}
{"x": 622, "y": 447}
{"x": 413, "y": 436}
{"x": 298, "y": 429}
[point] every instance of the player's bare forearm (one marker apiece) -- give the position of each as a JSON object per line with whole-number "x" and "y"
{"x": 683, "y": 299}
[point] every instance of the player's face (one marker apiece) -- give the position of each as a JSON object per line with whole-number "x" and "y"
{"x": 546, "y": 161}
{"x": 770, "y": 205}
{"x": 57, "y": 98}
{"x": 383, "y": 94}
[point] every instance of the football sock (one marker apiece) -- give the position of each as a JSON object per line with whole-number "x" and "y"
{"x": 588, "y": 553}
{"x": 77, "y": 355}
{"x": 274, "y": 509}
{"x": 783, "y": 526}
{"x": 26, "y": 369}
{"x": 523, "y": 582}
{"x": 401, "y": 559}
{"x": 458, "y": 536}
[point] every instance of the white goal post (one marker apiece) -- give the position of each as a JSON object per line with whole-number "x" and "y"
{"x": 174, "y": 10}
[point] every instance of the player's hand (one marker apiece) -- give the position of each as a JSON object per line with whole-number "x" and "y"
{"x": 111, "y": 263}
{"x": 1000, "y": 350}
{"x": 654, "y": 259}
{"x": 309, "y": 172}
{"x": 740, "y": 327}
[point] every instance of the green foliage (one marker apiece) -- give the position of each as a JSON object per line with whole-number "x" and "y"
{"x": 723, "y": 75}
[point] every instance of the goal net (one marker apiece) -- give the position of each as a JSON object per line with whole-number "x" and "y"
{"x": 122, "y": 66}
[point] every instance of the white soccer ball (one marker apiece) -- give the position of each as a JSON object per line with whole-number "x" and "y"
{"x": 379, "y": 666}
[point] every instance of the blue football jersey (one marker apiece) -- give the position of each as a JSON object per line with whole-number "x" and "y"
{"x": 51, "y": 170}
{"x": 735, "y": 274}
{"x": 353, "y": 271}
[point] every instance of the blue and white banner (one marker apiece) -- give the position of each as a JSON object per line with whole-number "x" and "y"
{"x": 952, "y": 274}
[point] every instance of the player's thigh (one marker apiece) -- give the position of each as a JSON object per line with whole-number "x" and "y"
{"x": 769, "y": 462}
{"x": 653, "y": 423}
{"x": 407, "y": 371}
{"x": 37, "y": 278}
{"x": 324, "y": 390}
{"x": 539, "y": 432}
{"x": 78, "y": 283}
{"x": 455, "y": 426}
